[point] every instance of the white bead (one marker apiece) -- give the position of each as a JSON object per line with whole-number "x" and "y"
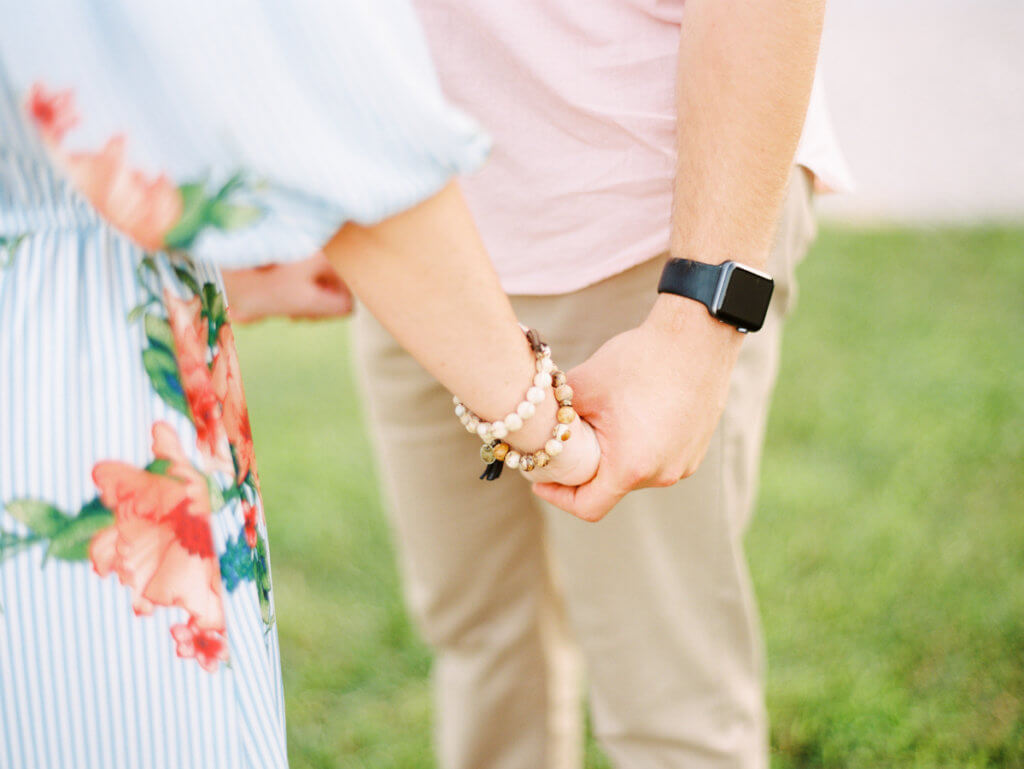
{"x": 535, "y": 395}
{"x": 455, "y": 400}
{"x": 459, "y": 410}
{"x": 553, "y": 447}
{"x": 465, "y": 418}
{"x": 512, "y": 460}
{"x": 472, "y": 424}
{"x": 499, "y": 430}
{"x": 545, "y": 365}
{"x": 543, "y": 379}
{"x": 561, "y": 430}
{"x": 525, "y": 410}
{"x": 513, "y": 422}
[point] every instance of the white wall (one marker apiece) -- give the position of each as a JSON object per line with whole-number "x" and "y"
{"x": 927, "y": 97}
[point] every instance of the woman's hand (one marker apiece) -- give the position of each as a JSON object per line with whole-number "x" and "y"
{"x": 577, "y": 463}
{"x": 309, "y": 289}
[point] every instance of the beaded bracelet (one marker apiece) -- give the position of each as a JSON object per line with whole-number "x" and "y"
{"x": 497, "y": 453}
{"x": 516, "y": 418}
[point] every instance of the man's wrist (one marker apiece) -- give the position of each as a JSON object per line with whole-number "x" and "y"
{"x": 721, "y": 252}
{"x": 677, "y": 317}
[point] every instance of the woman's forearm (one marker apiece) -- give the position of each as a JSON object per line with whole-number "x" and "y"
{"x": 425, "y": 275}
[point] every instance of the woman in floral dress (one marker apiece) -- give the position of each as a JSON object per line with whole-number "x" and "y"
{"x": 143, "y": 146}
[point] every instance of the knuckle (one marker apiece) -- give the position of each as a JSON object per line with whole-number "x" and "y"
{"x": 692, "y": 466}
{"x": 665, "y": 479}
{"x": 592, "y": 515}
{"x": 637, "y": 474}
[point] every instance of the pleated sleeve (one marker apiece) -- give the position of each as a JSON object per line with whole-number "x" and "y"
{"x": 241, "y": 132}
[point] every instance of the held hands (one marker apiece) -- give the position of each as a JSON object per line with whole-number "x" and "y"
{"x": 577, "y": 463}
{"x": 649, "y": 399}
{"x": 309, "y": 289}
{"x": 654, "y": 396}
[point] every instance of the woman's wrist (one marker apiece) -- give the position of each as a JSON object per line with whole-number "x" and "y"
{"x": 508, "y": 441}
{"x": 537, "y": 430}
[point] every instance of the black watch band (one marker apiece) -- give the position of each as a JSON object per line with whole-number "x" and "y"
{"x": 732, "y": 292}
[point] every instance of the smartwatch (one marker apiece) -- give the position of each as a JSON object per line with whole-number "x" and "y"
{"x": 732, "y": 292}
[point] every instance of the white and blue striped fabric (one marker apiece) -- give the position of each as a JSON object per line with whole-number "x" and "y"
{"x": 333, "y": 110}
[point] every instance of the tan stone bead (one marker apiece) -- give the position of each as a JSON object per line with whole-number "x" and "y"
{"x": 528, "y": 462}
{"x": 566, "y": 415}
{"x": 558, "y": 378}
{"x": 541, "y": 458}
{"x": 500, "y": 451}
{"x": 563, "y": 393}
{"x": 562, "y": 432}
{"x": 487, "y": 454}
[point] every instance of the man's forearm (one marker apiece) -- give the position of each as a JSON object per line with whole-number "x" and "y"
{"x": 744, "y": 79}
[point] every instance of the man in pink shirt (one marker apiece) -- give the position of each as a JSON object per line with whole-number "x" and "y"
{"x": 625, "y": 132}
{"x": 603, "y": 113}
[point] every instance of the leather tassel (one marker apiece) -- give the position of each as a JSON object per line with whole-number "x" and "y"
{"x": 493, "y": 471}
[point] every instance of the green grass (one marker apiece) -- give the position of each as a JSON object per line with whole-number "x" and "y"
{"x": 888, "y": 547}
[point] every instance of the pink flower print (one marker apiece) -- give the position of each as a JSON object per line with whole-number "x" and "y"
{"x": 161, "y": 544}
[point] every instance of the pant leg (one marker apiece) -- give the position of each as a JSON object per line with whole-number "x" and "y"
{"x": 475, "y": 574}
{"x": 658, "y": 592}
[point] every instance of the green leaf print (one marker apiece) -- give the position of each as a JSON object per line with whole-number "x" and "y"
{"x": 214, "y": 309}
{"x": 162, "y": 369}
{"x": 187, "y": 279}
{"x": 202, "y": 210}
{"x": 12, "y": 544}
{"x": 159, "y": 466}
{"x": 8, "y": 248}
{"x": 261, "y": 564}
{"x": 193, "y": 216}
{"x": 71, "y": 543}
{"x": 158, "y": 331}
{"x": 226, "y": 216}
{"x": 69, "y": 536}
{"x": 41, "y": 517}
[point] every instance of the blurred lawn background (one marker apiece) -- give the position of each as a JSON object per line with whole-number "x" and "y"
{"x": 888, "y": 547}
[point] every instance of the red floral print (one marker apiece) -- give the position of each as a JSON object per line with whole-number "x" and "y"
{"x": 208, "y": 647}
{"x": 158, "y": 535}
{"x": 251, "y": 514}
{"x": 53, "y": 112}
{"x": 161, "y": 544}
{"x": 190, "y": 331}
{"x": 142, "y": 208}
{"x": 227, "y": 381}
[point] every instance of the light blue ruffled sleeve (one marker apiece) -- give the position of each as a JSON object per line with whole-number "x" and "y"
{"x": 277, "y": 122}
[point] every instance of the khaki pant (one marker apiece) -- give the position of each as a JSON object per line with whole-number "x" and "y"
{"x": 512, "y": 593}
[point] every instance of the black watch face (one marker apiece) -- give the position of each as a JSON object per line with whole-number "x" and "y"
{"x": 745, "y": 301}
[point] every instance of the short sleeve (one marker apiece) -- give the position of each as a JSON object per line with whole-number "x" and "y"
{"x": 263, "y": 126}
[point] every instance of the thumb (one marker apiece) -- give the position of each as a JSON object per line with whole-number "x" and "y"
{"x": 562, "y": 497}
{"x": 591, "y": 501}
{"x": 583, "y": 381}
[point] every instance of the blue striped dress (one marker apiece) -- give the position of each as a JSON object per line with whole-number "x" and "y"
{"x": 143, "y": 146}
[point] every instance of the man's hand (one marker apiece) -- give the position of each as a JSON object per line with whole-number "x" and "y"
{"x": 654, "y": 396}
{"x": 308, "y": 289}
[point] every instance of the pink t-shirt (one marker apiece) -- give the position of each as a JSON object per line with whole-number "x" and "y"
{"x": 579, "y": 98}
